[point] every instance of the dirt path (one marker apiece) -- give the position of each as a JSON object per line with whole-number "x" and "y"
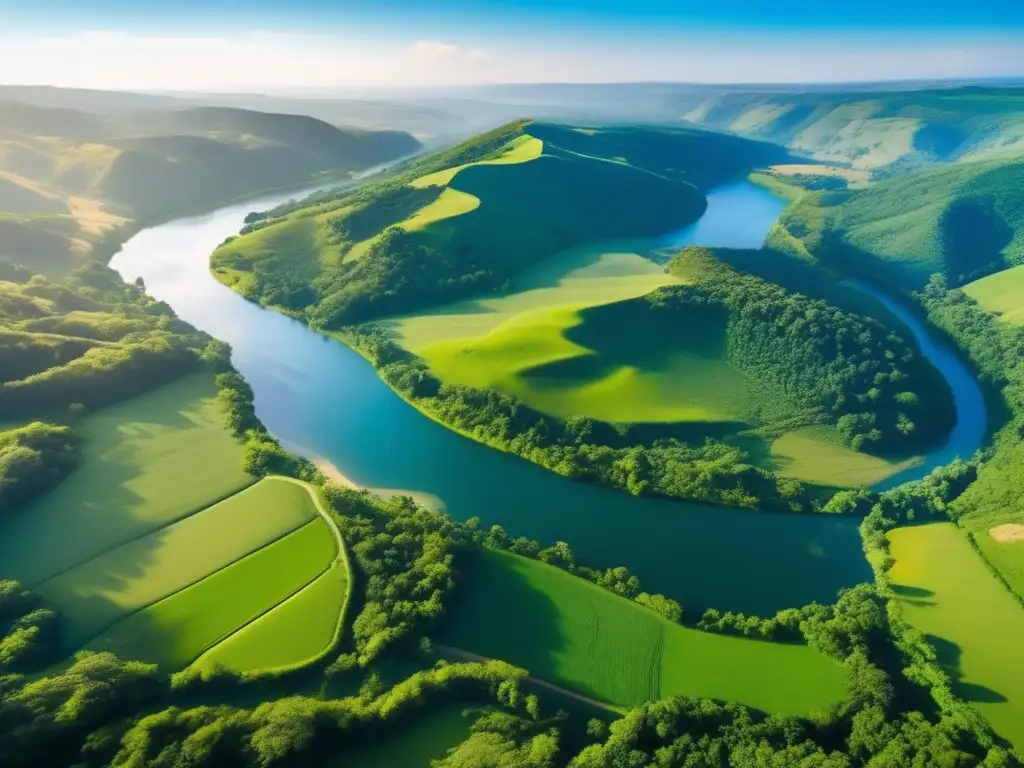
{"x": 458, "y": 653}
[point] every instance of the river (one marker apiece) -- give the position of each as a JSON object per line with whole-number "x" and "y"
{"x": 326, "y": 402}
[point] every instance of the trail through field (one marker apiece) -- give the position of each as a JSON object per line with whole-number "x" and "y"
{"x": 468, "y": 656}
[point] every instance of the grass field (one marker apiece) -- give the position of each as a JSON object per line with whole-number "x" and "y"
{"x": 573, "y": 633}
{"x": 95, "y": 594}
{"x": 147, "y": 463}
{"x": 855, "y": 177}
{"x": 424, "y": 737}
{"x": 519, "y": 150}
{"x": 1002, "y": 293}
{"x": 176, "y": 630}
{"x": 292, "y": 634}
{"x": 974, "y": 622}
{"x": 817, "y": 455}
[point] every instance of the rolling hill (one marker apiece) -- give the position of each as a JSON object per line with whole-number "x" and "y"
{"x": 431, "y": 233}
{"x": 963, "y": 221}
{"x": 71, "y": 181}
{"x": 886, "y": 130}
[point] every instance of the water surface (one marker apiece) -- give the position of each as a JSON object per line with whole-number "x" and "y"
{"x": 319, "y": 396}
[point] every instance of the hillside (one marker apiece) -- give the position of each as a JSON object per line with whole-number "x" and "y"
{"x": 885, "y": 130}
{"x": 464, "y": 221}
{"x": 963, "y": 221}
{"x": 72, "y": 181}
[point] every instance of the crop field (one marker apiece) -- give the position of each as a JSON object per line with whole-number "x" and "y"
{"x": 1002, "y": 293}
{"x": 573, "y": 633}
{"x": 974, "y": 622}
{"x": 292, "y": 634}
{"x": 147, "y": 462}
{"x": 817, "y": 455}
{"x": 96, "y": 594}
{"x": 176, "y": 630}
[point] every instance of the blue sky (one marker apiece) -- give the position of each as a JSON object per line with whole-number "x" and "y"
{"x": 326, "y": 43}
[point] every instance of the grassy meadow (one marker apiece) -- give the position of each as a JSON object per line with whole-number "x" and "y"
{"x": 573, "y": 633}
{"x": 178, "y": 629}
{"x": 975, "y": 623}
{"x": 96, "y": 594}
{"x": 1002, "y": 293}
{"x": 293, "y": 633}
{"x": 412, "y": 744}
{"x": 148, "y": 462}
{"x": 817, "y": 455}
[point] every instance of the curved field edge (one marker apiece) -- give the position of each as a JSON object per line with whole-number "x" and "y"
{"x": 178, "y": 629}
{"x": 96, "y": 595}
{"x": 571, "y": 632}
{"x": 243, "y": 634}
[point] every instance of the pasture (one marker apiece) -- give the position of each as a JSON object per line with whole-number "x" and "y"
{"x": 292, "y": 634}
{"x": 573, "y": 633}
{"x": 974, "y": 622}
{"x": 147, "y": 463}
{"x": 817, "y": 455}
{"x": 176, "y": 630}
{"x": 1002, "y": 293}
{"x": 413, "y": 743}
{"x": 96, "y": 594}
{"x": 520, "y": 150}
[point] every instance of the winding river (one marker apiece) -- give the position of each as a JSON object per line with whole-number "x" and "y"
{"x": 326, "y": 402}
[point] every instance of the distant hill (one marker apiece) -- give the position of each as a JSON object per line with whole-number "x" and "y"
{"x": 466, "y": 220}
{"x": 879, "y": 130}
{"x": 963, "y": 221}
{"x": 71, "y": 181}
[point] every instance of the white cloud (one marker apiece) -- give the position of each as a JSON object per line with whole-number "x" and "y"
{"x": 444, "y": 60}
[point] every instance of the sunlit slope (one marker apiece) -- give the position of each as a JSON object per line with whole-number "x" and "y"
{"x": 71, "y": 180}
{"x": 1002, "y": 293}
{"x": 874, "y": 130}
{"x": 573, "y": 633}
{"x": 962, "y": 221}
{"x": 467, "y": 220}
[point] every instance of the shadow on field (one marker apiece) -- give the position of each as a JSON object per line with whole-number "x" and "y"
{"x": 499, "y": 613}
{"x": 913, "y": 595}
{"x": 948, "y": 654}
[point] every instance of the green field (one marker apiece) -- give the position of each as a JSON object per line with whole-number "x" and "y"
{"x": 974, "y": 622}
{"x": 413, "y": 744}
{"x": 100, "y": 592}
{"x": 292, "y": 634}
{"x": 817, "y": 455}
{"x": 1002, "y": 293}
{"x": 519, "y": 150}
{"x": 571, "y": 632}
{"x": 176, "y": 630}
{"x": 147, "y": 462}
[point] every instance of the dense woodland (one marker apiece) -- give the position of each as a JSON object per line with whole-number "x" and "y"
{"x": 865, "y": 378}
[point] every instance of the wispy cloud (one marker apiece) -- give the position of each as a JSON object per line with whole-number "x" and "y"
{"x": 434, "y": 53}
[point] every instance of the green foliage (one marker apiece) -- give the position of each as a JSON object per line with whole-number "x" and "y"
{"x": 28, "y": 630}
{"x": 404, "y": 554}
{"x": 866, "y": 379}
{"x": 34, "y": 459}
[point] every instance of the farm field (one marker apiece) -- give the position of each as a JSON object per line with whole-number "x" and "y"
{"x": 176, "y": 630}
{"x": 1002, "y": 293}
{"x": 974, "y": 622}
{"x": 147, "y": 463}
{"x": 573, "y": 633}
{"x": 293, "y": 633}
{"x": 100, "y": 592}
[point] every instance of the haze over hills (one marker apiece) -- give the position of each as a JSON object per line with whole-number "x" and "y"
{"x": 701, "y": 405}
{"x": 73, "y": 180}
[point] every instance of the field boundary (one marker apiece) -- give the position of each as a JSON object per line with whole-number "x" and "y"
{"x": 458, "y": 653}
{"x": 341, "y": 556}
{"x": 217, "y": 570}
